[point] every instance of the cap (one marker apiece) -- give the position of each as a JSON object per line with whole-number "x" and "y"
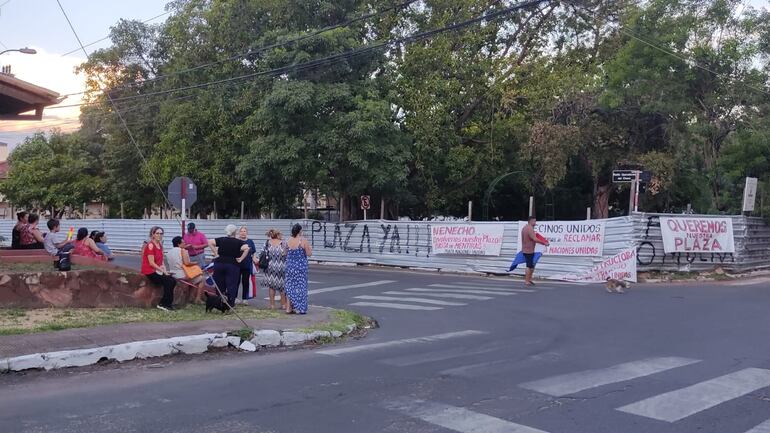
{"x": 190, "y": 226}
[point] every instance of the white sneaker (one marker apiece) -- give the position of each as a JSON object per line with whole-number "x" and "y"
{"x": 238, "y": 301}
{"x": 161, "y": 307}
{"x": 244, "y": 302}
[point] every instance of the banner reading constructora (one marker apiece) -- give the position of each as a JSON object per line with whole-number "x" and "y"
{"x": 621, "y": 266}
{"x": 467, "y": 239}
{"x": 570, "y": 238}
{"x": 697, "y": 235}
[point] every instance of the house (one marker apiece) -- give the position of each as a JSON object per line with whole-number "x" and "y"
{"x": 18, "y": 96}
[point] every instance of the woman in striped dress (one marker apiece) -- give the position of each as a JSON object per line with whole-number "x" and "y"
{"x": 275, "y": 274}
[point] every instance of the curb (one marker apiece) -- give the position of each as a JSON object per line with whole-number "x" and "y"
{"x": 190, "y": 345}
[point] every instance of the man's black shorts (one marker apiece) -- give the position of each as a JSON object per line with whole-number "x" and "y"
{"x": 530, "y": 258}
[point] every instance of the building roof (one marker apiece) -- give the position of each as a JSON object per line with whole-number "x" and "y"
{"x": 18, "y": 96}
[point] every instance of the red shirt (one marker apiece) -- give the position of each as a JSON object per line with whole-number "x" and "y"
{"x": 151, "y": 250}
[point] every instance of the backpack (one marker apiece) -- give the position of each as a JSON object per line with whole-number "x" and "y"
{"x": 65, "y": 263}
{"x": 264, "y": 257}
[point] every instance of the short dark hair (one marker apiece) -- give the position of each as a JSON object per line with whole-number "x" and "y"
{"x": 176, "y": 241}
{"x": 21, "y": 215}
{"x": 531, "y": 217}
{"x": 52, "y": 223}
{"x": 33, "y": 217}
{"x": 82, "y": 233}
{"x": 295, "y": 229}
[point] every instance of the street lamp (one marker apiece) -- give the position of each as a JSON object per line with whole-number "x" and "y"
{"x": 24, "y": 50}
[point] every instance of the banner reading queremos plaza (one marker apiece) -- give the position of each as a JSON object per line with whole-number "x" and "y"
{"x": 570, "y": 238}
{"x": 467, "y": 239}
{"x": 697, "y": 235}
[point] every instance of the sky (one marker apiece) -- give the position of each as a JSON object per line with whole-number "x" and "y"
{"x": 39, "y": 24}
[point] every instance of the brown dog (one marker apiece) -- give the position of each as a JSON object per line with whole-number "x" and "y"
{"x": 616, "y": 286}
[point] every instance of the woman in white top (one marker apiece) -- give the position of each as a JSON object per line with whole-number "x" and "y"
{"x": 178, "y": 256}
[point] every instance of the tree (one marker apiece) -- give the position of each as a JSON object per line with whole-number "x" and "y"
{"x": 52, "y": 173}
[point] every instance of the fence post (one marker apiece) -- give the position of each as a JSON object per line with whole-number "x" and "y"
{"x": 470, "y": 210}
{"x": 531, "y": 206}
{"x": 588, "y": 213}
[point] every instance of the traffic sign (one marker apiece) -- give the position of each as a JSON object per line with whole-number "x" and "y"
{"x": 366, "y": 203}
{"x": 620, "y": 176}
{"x": 182, "y": 188}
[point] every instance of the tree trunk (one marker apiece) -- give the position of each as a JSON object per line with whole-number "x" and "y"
{"x": 601, "y": 208}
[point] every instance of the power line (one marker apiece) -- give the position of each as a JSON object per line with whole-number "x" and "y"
{"x": 108, "y": 36}
{"x": 120, "y": 116}
{"x": 263, "y": 48}
{"x": 333, "y": 58}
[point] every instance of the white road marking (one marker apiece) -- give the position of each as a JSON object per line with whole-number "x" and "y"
{"x": 750, "y": 282}
{"x": 395, "y": 306}
{"x": 418, "y": 300}
{"x": 681, "y": 403}
{"x": 456, "y": 418}
{"x": 442, "y": 355}
{"x": 762, "y": 428}
{"x": 441, "y": 295}
{"x": 476, "y": 370}
{"x": 351, "y": 286}
{"x": 503, "y": 289}
{"x": 426, "y": 339}
{"x": 480, "y": 292}
{"x": 571, "y": 383}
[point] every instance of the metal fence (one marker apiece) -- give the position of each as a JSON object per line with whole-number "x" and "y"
{"x": 752, "y": 246}
{"x": 407, "y": 243}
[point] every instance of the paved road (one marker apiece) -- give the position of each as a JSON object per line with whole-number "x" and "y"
{"x": 454, "y": 353}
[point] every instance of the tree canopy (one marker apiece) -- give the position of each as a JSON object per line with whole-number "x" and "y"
{"x": 420, "y": 103}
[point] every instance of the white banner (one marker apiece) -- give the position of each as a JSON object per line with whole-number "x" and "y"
{"x": 697, "y": 235}
{"x": 569, "y": 238}
{"x": 621, "y": 266}
{"x": 467, "y": 239}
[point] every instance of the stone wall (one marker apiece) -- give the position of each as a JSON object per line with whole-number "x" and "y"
{"x": 84, "y": 289}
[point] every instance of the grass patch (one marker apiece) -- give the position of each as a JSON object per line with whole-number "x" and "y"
{"x": 340, "y": 321}
{"x": 26, "y": 321}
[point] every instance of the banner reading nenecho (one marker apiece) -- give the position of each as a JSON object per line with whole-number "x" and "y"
{"x": 570, "y": 238}
{"x": 697, "y": 235}
{"x": 467, "y": 239}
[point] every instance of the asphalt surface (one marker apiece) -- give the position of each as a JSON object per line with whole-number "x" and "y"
{"x": 562, "y": 358}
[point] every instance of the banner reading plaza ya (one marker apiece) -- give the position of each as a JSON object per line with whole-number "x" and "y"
{"x": 570, "y": 238}
{"x": 697, "y": 235}
{"x": 621, "y": 266}
{"x": 467, "y": 239}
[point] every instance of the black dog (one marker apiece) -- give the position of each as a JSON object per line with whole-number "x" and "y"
{"x": 215, "y": 302}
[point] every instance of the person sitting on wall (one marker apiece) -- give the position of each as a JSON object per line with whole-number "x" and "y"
{"x": 100, "y": 238}
{"x": 54, "y": 241}
{"x": 86, "y": 247}
{"x": 31, "y": 237}
{"x": 21, "y": 224}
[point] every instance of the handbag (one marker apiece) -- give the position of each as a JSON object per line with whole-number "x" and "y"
{"x": 192, "y": 271}
{"x": 264, "y": 258}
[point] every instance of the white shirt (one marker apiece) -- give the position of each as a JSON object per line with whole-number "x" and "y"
{"x": 174, "y": 262}
{"x": 50, "y": 241}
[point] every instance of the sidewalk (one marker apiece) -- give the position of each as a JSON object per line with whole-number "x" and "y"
{"x": 88, "y": 338}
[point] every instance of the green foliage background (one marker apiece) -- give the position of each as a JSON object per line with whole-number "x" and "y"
{"x": 560, "y": 92}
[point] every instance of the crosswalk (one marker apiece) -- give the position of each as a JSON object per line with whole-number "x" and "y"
{"x": 380, "y": 294}
{"x": 670, "y": 407}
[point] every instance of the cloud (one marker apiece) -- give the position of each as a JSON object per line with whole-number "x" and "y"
{"x": 53, "y": 72}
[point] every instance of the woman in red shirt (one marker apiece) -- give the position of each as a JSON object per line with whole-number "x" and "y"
{"x": 155, "y": 271}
